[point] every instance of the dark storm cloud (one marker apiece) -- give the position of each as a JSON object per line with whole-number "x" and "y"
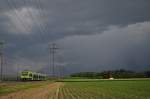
{"x": 118, "y": 47}
{"x": 67, "y": 17}
{"x": 29, "y": 25}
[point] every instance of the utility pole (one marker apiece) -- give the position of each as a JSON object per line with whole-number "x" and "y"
{"x": 18, "y": 71}
{"x": 1, "y": 60}
{"x": 61, "y": 72}
{"x": 53, "y": 49}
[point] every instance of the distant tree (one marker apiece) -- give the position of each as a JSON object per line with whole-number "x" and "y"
{"x": 122, "y": 73}
{"x": 147, "y": 74}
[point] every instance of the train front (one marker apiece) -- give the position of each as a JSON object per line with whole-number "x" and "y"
{"x": 26, "y": 75}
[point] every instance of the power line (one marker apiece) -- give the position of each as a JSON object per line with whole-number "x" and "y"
{"x": 12, "y": 5}
{"x": 41, "y": 27}
{"x": 1, "y": 59}
{"x": 41, "y": 11}
{"x": 43, "y": 30}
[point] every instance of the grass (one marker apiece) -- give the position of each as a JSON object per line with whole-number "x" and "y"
{"x": 8, "y": 87}
{"x": 106, "y": 89}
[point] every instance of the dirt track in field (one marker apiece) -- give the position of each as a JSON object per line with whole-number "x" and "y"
{"x": 45, "y": 92}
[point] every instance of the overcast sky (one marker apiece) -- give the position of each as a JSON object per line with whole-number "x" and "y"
{"x": 92, "y": 35}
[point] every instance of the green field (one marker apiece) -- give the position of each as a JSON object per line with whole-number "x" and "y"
{"x": 84, "y": 88}
{"x": 105, "y": 89}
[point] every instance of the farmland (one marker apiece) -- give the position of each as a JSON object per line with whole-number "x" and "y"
{"x": 77, "y": 89}
{"x": 105, "y": 89}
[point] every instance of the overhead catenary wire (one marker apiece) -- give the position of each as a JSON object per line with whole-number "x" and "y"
{"x": 41, "y": 27}
{"x": 12, "y": 5}
{"x": 42, "y": 13}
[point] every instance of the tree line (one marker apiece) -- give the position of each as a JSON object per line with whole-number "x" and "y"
{"x": 112, "y": 74}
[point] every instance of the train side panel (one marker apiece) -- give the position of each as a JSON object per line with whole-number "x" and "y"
{"x": 32, "y": 76}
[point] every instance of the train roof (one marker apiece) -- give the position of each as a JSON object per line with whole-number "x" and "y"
{"x": 34, "y": 72}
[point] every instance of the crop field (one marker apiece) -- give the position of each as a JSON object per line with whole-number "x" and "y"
{"x": 105, "y": 89}
{"x": 77, "y": 89}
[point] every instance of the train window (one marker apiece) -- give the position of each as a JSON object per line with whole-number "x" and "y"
{"x": 24, "y": 73}
{"x": 30, "y": 75}
{"x": 34, "y": 76}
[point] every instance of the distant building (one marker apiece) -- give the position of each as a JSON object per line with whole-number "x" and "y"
{"x": 111, "y": 78}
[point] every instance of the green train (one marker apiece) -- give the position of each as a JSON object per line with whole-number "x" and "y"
{"x": 32, "y": 76}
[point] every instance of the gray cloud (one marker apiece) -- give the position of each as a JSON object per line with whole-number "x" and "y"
{"x": 67, "y": 17}
{"x": 118, "y": 47}
{"x": 103, "y": 27}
